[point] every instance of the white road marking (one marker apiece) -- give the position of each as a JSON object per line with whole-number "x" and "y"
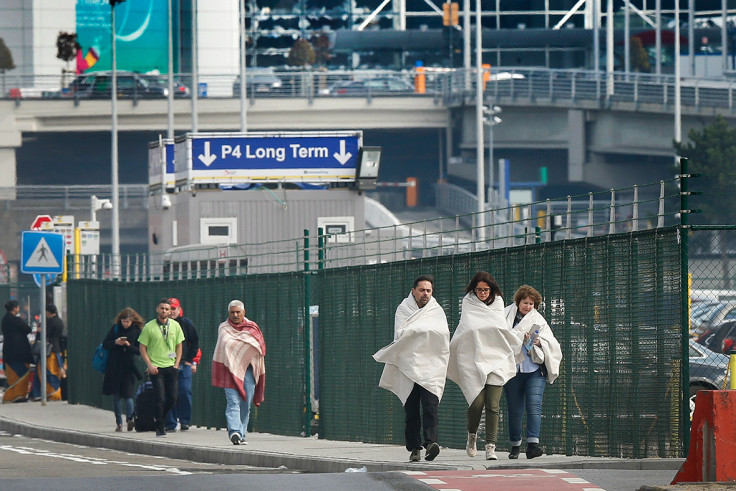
{"x": 432, "y": 481}
{"x": 89, "y": 460}
{"x": 575, "y": 480}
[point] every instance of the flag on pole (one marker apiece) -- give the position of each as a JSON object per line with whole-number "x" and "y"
{"x": 88, "y": 61}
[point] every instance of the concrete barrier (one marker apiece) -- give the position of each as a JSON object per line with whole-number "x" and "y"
{"x": 712, "y": 456}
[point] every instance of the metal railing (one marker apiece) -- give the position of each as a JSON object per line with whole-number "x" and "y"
{"x": 522, "y": 84}
{"x": 594, "y": 214}
{"x": 69, "y": 197}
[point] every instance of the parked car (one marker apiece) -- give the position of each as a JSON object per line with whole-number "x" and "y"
{"x": 718, "y": 314}
{"x": 180, "y": 90}
{"x": 130, "y": 85}
{"x": 720, "y": 338}
{"x": 258, "y": 80}
{"x": 380, "y": 86}
{"x": 707, "y": 371}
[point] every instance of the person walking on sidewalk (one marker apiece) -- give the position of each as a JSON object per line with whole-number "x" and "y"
{"x": 17, "y": 355}
{"x": 181, "y": 413}
{"x": 160, "y": 346}
{"x": 121, "y": 372}
{"x": 416, "y": 365}
{"x": 238, "y": 366}
{"x": 538, "y": 360}
{"x": 482, "y": 354}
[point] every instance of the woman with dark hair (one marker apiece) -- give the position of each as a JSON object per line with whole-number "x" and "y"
{"x": 482, "y": 353}
{"x": 121, "y": 373}
{"x": 16, "y": 354}
{"x": 539, "y": 359}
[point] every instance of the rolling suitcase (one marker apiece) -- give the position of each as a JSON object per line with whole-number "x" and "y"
{"x": 145, "y": 407}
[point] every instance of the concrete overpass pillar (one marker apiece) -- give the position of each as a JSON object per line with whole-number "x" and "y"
{"x": 10, "y": 139}
{"x": 576, "y": 144}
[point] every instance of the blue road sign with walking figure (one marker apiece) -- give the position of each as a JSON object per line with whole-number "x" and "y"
{"x": 41, "y": 252}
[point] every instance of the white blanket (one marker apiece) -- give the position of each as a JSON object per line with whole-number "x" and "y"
{"x": 419, "y": 352}
{"x": 483, "y": 344}
{"x": 549, "y": 353}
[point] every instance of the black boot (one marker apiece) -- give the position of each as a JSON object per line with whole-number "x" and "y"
{"x": 533, "y": 450}
{"x": 514, "y": 454}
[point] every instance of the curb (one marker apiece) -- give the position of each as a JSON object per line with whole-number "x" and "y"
{"x": 255, "y": 458}
{"x": 209, "y": 454}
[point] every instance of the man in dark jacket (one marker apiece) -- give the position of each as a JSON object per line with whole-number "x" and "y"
{"x": 182, "y": 412}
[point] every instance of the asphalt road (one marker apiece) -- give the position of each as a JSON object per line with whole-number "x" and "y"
{"x": 30, "y": 463}
{"x": 35, "y": 464}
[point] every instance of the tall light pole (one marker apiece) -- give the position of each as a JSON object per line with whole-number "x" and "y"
{"x": 466, "y": 44}
{"x": 480, "y": 171}
{"x": 195, "y": 73}
{"x": 115, "y": 191}
{"x": 243, "y": 86}
{"x": 170, "y": 102}
{"x": 678, "y": 88}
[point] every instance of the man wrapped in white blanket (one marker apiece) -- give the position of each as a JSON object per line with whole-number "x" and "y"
{"x": 416, "y": 365}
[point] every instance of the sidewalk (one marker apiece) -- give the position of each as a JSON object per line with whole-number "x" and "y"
{"x": 84, "y": 425}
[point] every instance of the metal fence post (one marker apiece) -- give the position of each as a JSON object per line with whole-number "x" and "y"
{"x": 307, "y": 336}
{"x": 685, "y": 304}
{"x": 320, "y": 248}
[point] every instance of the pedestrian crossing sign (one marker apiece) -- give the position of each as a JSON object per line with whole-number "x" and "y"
{"x": 41, "y": 252}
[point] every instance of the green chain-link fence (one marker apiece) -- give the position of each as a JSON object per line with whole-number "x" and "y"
{"x": 712, "y": 322}
{"x": 275, "y": 302}
{"x": 612, "y": 301}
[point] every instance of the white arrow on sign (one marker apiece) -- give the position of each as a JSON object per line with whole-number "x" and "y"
{"x": 208, "y": 157}
{"x": 343, "y": 156}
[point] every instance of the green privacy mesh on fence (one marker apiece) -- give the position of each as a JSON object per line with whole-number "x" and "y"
{"x": 613, "y": 303}
{"x": 275, "y": 302}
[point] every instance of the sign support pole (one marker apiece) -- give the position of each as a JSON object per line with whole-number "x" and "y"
{"x": 43, "y": 339}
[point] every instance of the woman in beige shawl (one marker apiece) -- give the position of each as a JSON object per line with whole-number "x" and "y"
{"x": 482, "y": 353}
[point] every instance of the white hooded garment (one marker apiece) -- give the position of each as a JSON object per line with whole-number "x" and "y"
{"x": 482, "y": 345}
{"x": 419, "y": 352}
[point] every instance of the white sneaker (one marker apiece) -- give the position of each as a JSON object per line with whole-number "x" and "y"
{"x": 491, "y": 452}
{"x": 470, "y": 446}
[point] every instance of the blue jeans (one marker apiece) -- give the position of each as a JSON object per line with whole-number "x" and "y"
{"x": 525, "y": 390}
{"x": 182, "y": 411}
{"x": 117, "y": 403}
{"x": 237, "y": 411}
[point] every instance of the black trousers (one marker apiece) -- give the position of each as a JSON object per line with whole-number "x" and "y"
{"x": 427, "y": 422}
{"x": 166, "y": 387}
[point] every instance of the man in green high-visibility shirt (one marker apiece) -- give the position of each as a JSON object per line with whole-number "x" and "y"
{"x": 160, "y": 345}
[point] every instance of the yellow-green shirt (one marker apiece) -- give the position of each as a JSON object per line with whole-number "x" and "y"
{"x": 160, "y": 340}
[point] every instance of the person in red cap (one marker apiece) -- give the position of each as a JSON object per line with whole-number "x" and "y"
{"x": 181, "y": 413}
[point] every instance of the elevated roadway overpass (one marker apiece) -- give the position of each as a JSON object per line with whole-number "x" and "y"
{"x": 559, "y": 119}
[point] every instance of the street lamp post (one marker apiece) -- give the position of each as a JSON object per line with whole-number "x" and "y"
{"x": 480, "y": 171}
{"x": 115, "y": 191}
